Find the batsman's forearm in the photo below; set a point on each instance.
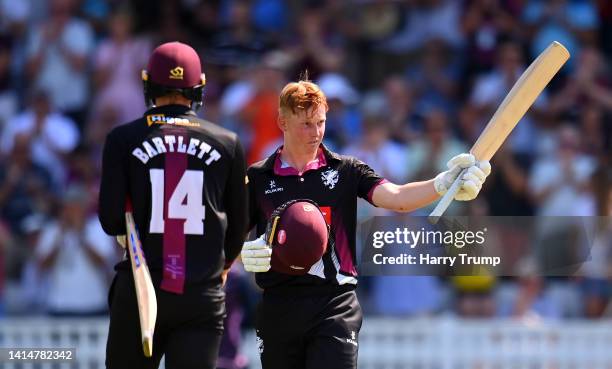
(405, 198)
(416, 195)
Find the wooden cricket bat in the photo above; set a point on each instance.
(509, 113)
(145, 293)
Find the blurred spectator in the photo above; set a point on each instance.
(343, 123)
(8, 96)
(261, 112)
(559, 184)
(52, 135)
(507, 191)
(605, 31)
(170, 25)
(474, 296)
(237, 42)
(270, 16)
(592, 129)
(484, 23)
(434, 78)
(429, 154)
(532, 302)
(314, 50)
(491, 88)
(84, 170)
(97, 128)
(205, 22)
(96, 13)
(14, 16)
(364, 25)
(589, 84)
(407, 295)
(596, 286)
(32, 285)
(25, 187)
(119, 60)
(230, 356)
(538, 297)
(375, 148)
(403, 120)
(75, 252)
(428, 20)
(571, 22)
(5, 246)
(57, 52)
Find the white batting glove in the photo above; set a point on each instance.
(472, 180)
(256, 255)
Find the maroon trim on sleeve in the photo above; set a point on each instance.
(371, 192)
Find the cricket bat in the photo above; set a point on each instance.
(145, 293)
(509, 113)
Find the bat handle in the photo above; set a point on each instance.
(446, 200)
(147, 344)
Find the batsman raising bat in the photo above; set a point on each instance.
(185, 178)
(322, 295)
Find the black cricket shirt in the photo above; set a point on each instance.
(186, 180)
(334, 182)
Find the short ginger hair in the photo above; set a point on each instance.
(301, 96)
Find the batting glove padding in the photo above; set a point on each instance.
(471, 181)
(256, 255)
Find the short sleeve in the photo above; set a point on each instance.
(367, 179)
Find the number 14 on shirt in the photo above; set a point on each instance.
(184, 201)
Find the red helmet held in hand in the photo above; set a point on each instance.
(298, 235)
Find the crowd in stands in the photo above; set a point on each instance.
(410, 83)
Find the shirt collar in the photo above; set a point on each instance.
(274, 163)
(171, 110)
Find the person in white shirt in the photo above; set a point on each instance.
(52, 135)
(57, 54)
(75, 252)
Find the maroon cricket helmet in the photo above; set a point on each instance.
(174, 66)
(298, 235)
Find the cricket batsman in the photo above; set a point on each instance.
(186, 180)
(312, 320)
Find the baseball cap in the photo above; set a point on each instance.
(175, 65)
(300, 238)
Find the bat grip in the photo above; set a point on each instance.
(446, 200)
(147, 343)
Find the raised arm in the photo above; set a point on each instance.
(411, 196)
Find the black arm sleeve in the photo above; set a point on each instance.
(236, 206)
(367, 179)
(113, 187)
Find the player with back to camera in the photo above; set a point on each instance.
(313, 320)
(185, 178)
